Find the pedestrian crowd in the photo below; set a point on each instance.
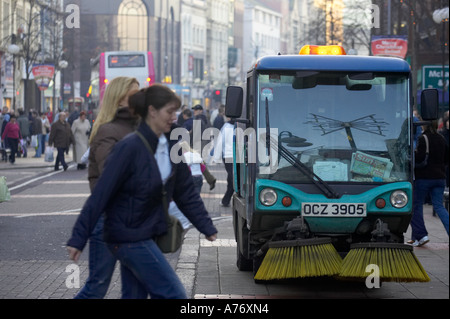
(43, 132)
(21, 131)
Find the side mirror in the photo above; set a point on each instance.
(429, 104)
(234, 102)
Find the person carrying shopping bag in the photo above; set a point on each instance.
(61, 137)
(130, 192)
(12, 135)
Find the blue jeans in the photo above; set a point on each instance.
(145, 271)
(101, 266)
(60, 158)
(230, 190)
(42, 140)
(435, 187)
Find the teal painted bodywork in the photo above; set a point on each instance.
(338, 225)
(255, 224)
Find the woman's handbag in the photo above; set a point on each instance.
(171, 241)
(424, 163)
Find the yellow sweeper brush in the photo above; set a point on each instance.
(396, 262)
(299, 258)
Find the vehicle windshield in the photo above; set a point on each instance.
(343, 127)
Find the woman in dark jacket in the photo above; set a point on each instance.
(129, 191)
(429, 179)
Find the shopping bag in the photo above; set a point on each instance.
(4, 191)
(23, 147)
(34, 141)
(49, 154)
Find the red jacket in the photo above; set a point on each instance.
(12, 131)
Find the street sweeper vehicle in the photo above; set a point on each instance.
(323, 173)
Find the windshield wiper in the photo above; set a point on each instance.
(267, 128)
(323, 186)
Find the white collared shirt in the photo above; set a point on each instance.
(162, 157)
(224, 144)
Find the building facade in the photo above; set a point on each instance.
(199, 46)
(30, 33)
(121, 25)
(262, 35)
(194, 48)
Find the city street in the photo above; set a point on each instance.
(334, 113)
(36, 223)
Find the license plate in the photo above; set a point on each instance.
(334, 210)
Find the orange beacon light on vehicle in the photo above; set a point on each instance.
(322, 50)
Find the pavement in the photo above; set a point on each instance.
(208, 270)
(214, 274)
(32, 162)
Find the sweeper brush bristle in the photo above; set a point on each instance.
(299, 259)
(396, 262)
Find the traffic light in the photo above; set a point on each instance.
(217, 96)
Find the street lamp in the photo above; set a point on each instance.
(440, 17)
(14, 49)
(63, 64)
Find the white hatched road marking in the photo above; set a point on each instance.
(43, 196)
(50, 196)
(65, 182)
(72, 212)
(37, 179)
(222, 243)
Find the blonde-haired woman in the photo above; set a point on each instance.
(116, 96)
(114, 122)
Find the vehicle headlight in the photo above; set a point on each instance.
(268, 197)
(399, 199)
